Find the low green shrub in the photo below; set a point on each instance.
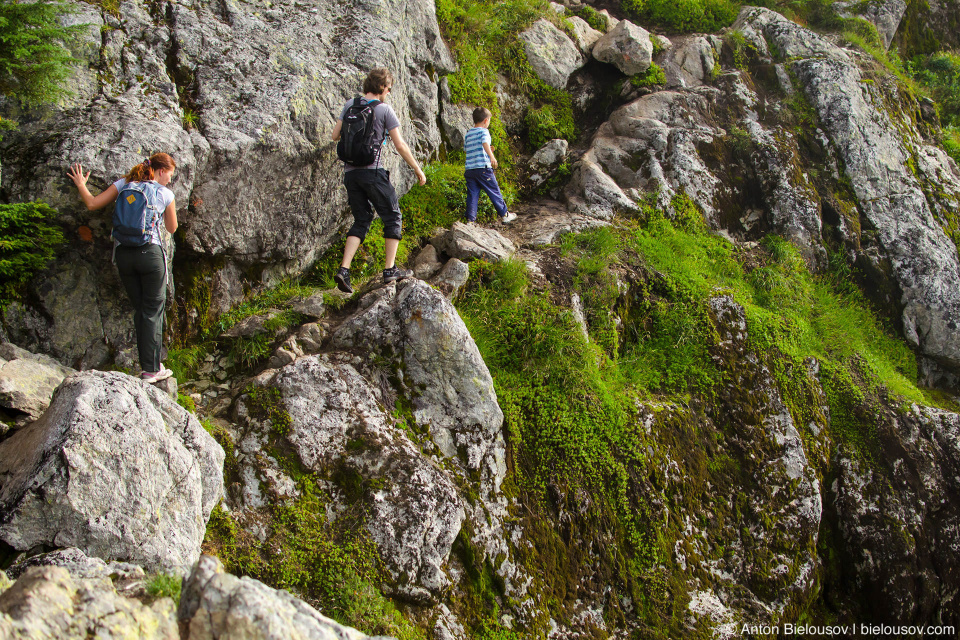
(951, 142)
(548, 122)
(653, 76)
(276, 297)
(184, 361)
(939, 73)
(740, 48)
(592, 17)
(684, 16)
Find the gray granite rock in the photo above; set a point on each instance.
(472, 242)
(115, 468)
(924, 262)
(245, 99)
(551, 154)
(627, 46)
(27, 381)
(338, 423)
(215, 604)
(691, 61)
(551, 53)
(451, 278)
(426, 263)
(47, 603)
(584, 35)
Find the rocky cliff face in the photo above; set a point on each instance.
(245, 98)
(806, 142)
(378, 429)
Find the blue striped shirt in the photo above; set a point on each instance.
(477, 158)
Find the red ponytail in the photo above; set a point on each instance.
(145, 170)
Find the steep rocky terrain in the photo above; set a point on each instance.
(627, 415)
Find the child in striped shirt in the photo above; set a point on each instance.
(479, 168)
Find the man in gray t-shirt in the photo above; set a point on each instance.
(370, 185)
(384, 120)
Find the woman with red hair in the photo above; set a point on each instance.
(142, 268)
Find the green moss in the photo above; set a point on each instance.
(164, 586)
(192, 316)
(267, 403)
(184, 361)
(186, 402)
(740, 49)
(547, 122)
(333, 566)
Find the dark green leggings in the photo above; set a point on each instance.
(143, 271)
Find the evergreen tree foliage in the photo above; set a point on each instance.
(34, 64)
(27, 243)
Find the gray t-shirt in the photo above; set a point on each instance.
(384, 121)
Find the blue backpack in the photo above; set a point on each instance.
(137, 212)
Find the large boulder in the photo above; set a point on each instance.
(626, 46)
(115, 468)
(551, 54)
(48, 603)
(402, 403)
(27, 381)
(215, 604)
(471, 242)
(339, 425)
(415, 329)
(232, 92)
(454, 390)
(650, 144)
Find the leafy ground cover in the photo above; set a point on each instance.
(569, 399)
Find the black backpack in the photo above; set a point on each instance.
(357, 146)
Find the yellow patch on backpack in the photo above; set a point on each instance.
(131, 198)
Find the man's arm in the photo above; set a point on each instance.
(405, 153)
(336, 130)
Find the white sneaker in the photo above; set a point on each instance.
(508, 218)
(156, 376)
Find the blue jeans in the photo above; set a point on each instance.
(483, 179)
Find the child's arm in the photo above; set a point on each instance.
(489, 150)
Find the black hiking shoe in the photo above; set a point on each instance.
(393, 273)
(343, 280)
